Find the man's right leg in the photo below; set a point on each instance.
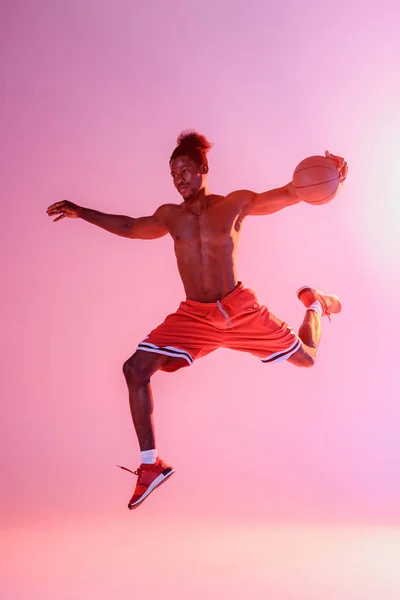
(153, 471)
(138, 370)
(162, 349)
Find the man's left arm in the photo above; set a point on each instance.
(274, 200)
(271, 201)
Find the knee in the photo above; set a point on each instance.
(304, 357)
(135, 373)
(309, 361)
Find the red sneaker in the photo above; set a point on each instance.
(330, 304)
(149, 478)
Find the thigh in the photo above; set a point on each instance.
(264, 335)
(182, 338)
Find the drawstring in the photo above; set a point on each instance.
(224, 313)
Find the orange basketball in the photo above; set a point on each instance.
(316, 180)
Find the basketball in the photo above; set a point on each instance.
(316, 180)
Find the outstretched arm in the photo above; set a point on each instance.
(145, 228)
(271, 201)
(274, 200)
(149, 228)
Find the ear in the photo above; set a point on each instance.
(204, 169)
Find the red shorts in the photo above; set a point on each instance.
(237, 322)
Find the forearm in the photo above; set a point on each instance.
(118, 224)
(274, 200)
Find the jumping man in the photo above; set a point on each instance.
(218, 311)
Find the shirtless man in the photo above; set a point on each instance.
(218, 311)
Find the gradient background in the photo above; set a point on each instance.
(287, 482)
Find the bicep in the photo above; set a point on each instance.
(149, 228)
(269, 202)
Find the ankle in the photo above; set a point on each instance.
(149, 457)
(317, 307)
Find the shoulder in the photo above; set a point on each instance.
(240, 198)
(165, 211)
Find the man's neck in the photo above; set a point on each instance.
(199, 201)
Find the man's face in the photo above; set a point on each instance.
(188, 177)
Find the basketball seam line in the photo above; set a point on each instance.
(315, 167)
(299, 187)
(321, 200)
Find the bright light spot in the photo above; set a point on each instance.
(380, 200)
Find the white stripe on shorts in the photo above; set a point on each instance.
(283, 354)
(166, 350)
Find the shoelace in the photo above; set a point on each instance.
(325, 313)
(138, 471)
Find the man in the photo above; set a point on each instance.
(218, 311)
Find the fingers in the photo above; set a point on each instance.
(56, 209)
(338, 160)
(59, 218)
(334, 157)
(340, 163)
(57, 205)
(343, 172)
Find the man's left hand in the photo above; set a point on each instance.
(341, 165)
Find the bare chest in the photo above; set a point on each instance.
(214, 226)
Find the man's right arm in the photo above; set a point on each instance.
(145, 228)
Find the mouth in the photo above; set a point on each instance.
(182, 188)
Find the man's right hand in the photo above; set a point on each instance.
(63, 209)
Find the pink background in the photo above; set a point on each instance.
(95, 95)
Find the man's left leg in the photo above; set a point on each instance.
(318, 305)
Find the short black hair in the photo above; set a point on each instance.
(194, 145)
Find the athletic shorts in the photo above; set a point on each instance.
(237, 322)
